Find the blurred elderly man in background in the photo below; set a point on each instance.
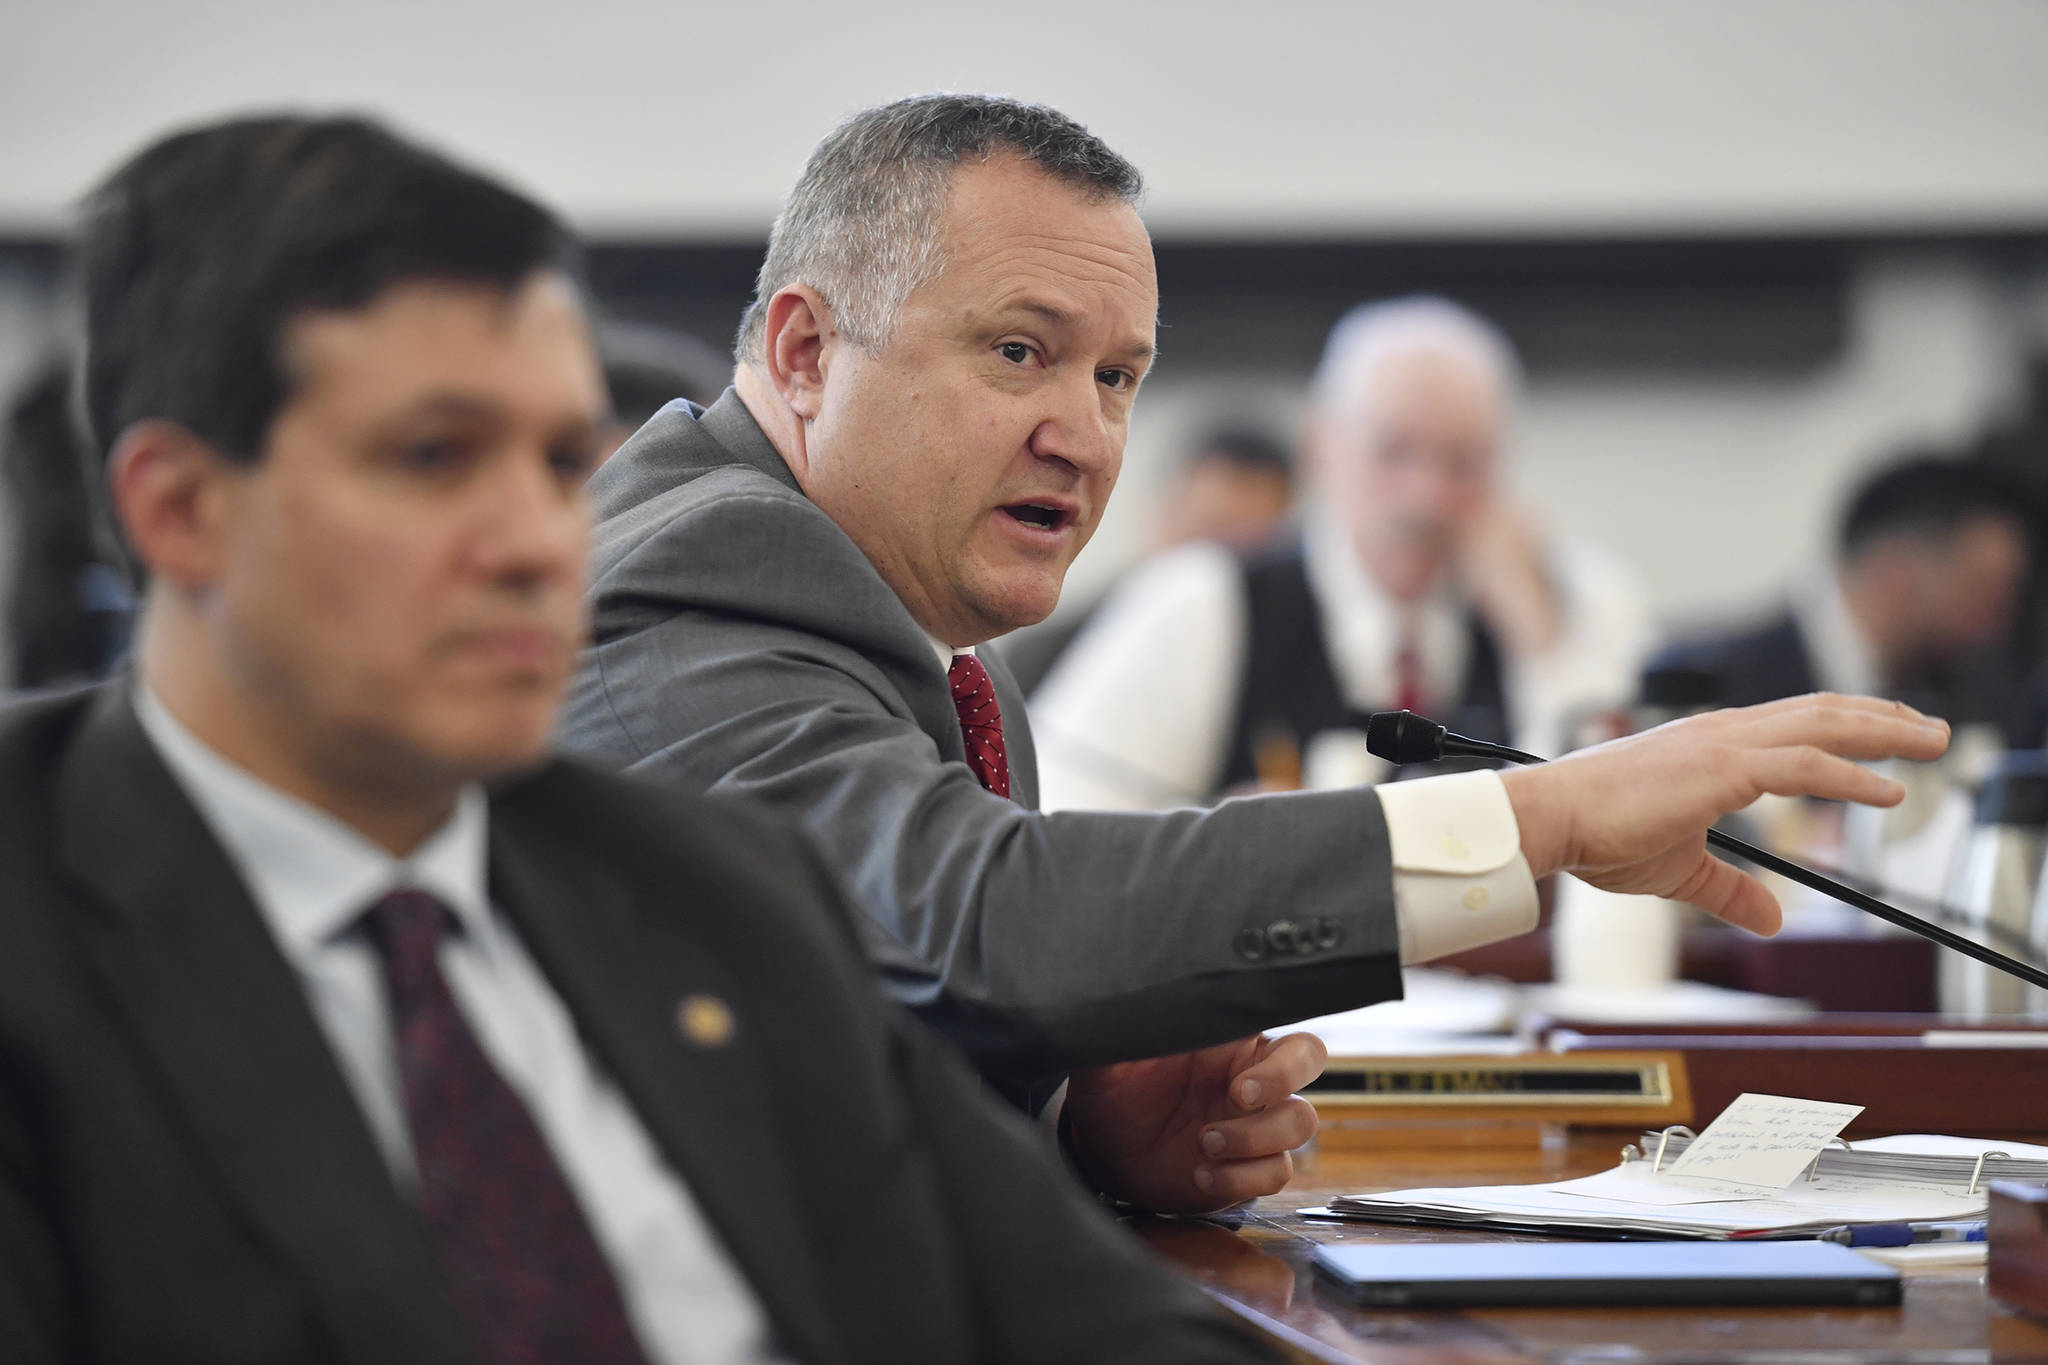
(1415, 585)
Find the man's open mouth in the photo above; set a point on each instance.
(1038, 514)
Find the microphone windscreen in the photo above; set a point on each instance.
(1402, 737)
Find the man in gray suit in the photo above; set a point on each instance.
(928, 415)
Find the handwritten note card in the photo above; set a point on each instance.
(1760, 1144)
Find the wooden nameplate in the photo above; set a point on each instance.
(1491, 1100)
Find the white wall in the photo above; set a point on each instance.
(1291, 115)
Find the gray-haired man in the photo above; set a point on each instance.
(928, 416)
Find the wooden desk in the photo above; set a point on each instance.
(1262, 1271)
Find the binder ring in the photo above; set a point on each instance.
(1977, 1171)
(1664, 1138)
(1813, 1171)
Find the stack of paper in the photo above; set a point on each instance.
(1631, 1200)
(1751, 1174)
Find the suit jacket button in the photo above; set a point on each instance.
(1329, 933)
(705, 1020)
(1250, 945)
(1284, 935)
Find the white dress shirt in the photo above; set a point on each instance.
(312, 877)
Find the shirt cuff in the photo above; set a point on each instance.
(1459, 876)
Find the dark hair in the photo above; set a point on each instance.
(1250, 450)
(193, 258)
(864, 224)
(1931, 496)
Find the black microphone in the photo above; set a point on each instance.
(1402, 737)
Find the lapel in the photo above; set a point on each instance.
(866, 612)
(211, 1003)
(624, 974)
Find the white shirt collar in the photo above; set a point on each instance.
(1842, 658)
(946, 652)
(1365, 629)
(310, 874)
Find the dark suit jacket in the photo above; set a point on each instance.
(1772, 659)
(744, 645)
(185, 1175)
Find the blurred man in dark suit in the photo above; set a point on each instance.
(1918, 600)
(337, 1022)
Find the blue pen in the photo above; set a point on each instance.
(1903, 1234)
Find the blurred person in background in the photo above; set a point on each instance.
(1415, 584)
(1235, 487)
(68, 605)
(1918, 600)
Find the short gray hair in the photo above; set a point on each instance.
(1420, 321)
(865, 224)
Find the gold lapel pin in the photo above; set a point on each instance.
(705, 1020)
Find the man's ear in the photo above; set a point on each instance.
(796, 346)
(170, 490)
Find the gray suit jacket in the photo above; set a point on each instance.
(744, 646)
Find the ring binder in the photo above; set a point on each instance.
(1813, 1171)
(1977, 1171)
(1663, 1139)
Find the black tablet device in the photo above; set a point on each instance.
(1579, 1274)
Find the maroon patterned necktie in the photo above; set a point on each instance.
(981, 722)
(523, 1268)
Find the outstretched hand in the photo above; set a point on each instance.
(1195, 1131)
(1632, 815)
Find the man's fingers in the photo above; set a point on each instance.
(1269, 1132)
(1730, 894)
(1806, 770)
(1289, 1064)
(1856, 727)
(1826, 701)
(1236, 1181)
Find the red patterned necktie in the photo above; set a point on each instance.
(981, 722)
(523, 1268)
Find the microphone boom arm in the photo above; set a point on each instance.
(1404, 737)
